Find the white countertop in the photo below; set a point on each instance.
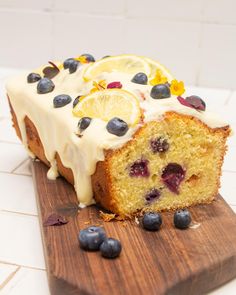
(22, 265)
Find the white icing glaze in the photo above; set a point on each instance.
(57, 127)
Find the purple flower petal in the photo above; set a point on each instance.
(115, 84)
(55, 219)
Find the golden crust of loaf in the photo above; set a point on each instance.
(104, 181)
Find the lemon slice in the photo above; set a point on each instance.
(110, 103)
(130, 64)
(155, 65)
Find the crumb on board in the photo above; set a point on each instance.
(136, 220)
(107, 216)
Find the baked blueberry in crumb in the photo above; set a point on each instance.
(61, 100)
(153, 195)
(139, 168)
(117, 126)
(33, 77)
(159, 145)
(140, 78)
(172, 175)
(152, 221)
(76, 101)
(89, 57)
(182, 219)
(160, 91)
(110, 248)
(91, 238)
(84, 123)
(45, 85)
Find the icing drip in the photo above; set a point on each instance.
(57, 128)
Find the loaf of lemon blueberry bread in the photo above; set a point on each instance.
(120, 130)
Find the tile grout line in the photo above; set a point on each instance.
(18, 166)
(20, 265)
(228, 97)
(10, 142)
(228, 171)
(19, 174)
(9, 278)
(19, 213)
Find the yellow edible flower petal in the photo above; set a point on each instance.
(82, 59)
(97, 86)
(158, 79)
(177, 87)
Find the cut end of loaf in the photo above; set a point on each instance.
(170, 164)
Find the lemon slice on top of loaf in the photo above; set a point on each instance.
(130, 64)
(108, 104)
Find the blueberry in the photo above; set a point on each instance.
(160, 91)
(172, 175)
(73, 65)
(89, 57)
(45, 85)
(182, 219)
(76, 101)
(84, 123)
(110, 248)
(117, 127)
(67, 62)
(61, 100)
(91, 238)
(33, 77)
(159, 145)
(152, 221)
(139, 168)
(153, 195)
(140, 78)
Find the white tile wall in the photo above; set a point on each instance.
(26, 38)
(24, 169)
(101, 7)
(18, 155)
(182, 10)
(23, 201)
(196, 39)
(99, 35)
(219, 11)
(6, 271)
(166, 42)
(27, 282)
(217, 56)
(26, 4)
(17, 245)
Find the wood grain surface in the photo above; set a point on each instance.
(170, 261)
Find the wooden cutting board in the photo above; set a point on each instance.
(170, 261)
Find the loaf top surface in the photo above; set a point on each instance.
(82, 107)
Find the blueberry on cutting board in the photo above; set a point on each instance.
(91, 238)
